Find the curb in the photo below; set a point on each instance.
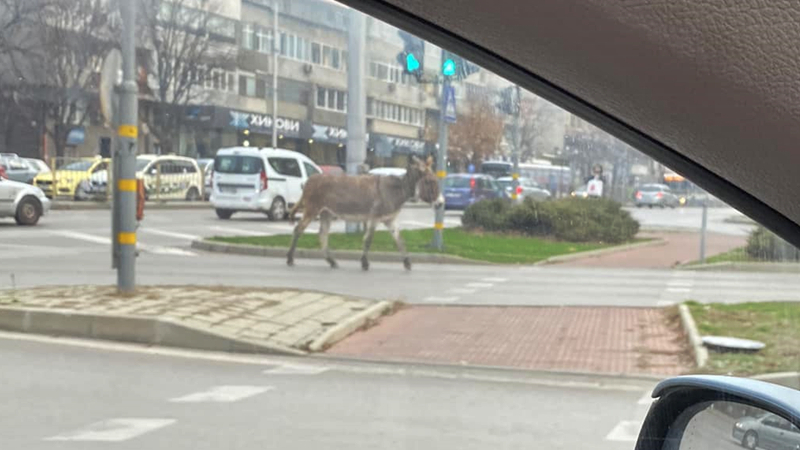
(601, 252)
(700, 352)
(346, 328)
(134, 329)
(93, 206)
(345, 255)
(728, 266)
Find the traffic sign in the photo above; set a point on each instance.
(449, 102)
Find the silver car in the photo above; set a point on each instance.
(18, 169)
(651, 195)
(768, 432)
(25, 203)
(527, 188)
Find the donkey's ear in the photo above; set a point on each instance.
(429, 161)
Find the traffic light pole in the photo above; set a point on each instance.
(517, 142)
(356, 101)
(125, 157)
(441, 164)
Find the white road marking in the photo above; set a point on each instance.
(232, 230)
(679, 290)
(461, 291)
(190, 237)
(480, 285)
(166, 251)
(222, 394)
(625, 431)
(662, 303)
(296, 369)
(434, 299)
(113, 430)
(494, 280)
(82, 236)
(679, 282)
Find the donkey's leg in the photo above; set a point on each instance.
(367, 243)
(324, 228)
(308, 216)
(401, 246)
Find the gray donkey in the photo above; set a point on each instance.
(363, 198)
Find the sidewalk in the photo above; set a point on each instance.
(632, 341)
(209, 318)
(680, 248)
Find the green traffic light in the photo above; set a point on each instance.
(449, 68)
(411, 63)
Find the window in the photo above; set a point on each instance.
(263, 40)
(285, 166)
(217, 79)
(310, 170)
(248, 36)
(316, 53)
(295, 47)
(393, 112)
(392, 73)
(248, 165)
(331, 99)
(247, 85)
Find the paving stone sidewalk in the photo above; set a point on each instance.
(610, 340)
(281, 317)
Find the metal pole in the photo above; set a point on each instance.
(276, 48)
(703, 232)
(515, 152)
(441, 163)
(127, 133)
(356, 101)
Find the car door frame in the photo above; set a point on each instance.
(293, 185)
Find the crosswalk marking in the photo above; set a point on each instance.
(461, 291)
(296, 369)
(494, 280)
(82, 236)
(624, 431)
(480, 285)
(222, 394)
(434, 299)
(114, 430)
(678, 289)
(190, 237)
(157, 250)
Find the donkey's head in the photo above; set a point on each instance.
(420, 172)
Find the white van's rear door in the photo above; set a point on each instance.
(236, 176)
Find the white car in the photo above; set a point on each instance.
(266, 180)
(394, 171)
(170, 177)
(25, 203)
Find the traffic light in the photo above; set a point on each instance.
(457, 67)
(412, 58)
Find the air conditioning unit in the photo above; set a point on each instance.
(308, 68)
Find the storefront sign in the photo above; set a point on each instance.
(262, 123)
(327, 133)
(385, 145)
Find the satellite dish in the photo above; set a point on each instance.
(110, 78)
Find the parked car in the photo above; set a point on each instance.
(169, 177)
(526, 188)
(767, 432)
(267, 180)
(207, 166)
(332, 170)
(70, 178)
(39, 165)
(462, 190)
(3, 173)
(580, 192)
(655, 195)
(18, 169)
(25, 203)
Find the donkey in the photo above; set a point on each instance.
(363, 198)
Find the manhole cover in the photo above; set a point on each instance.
(731, 344)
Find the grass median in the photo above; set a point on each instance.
(495, 248)
(773, 323)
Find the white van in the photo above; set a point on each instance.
(251, 179)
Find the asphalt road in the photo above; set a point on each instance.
(72, 247)
(93, 395)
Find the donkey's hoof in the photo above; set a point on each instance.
(290, 262)
(364, 264)
(407, 263)
(333, 263)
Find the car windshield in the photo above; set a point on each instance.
(259, 304)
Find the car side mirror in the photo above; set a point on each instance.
(715, 412)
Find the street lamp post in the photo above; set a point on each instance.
(275, 50)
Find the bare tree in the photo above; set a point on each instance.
(182, 54)
(55, 76)
(535, 119)
(477, 133)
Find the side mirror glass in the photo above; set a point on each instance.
(714, 412)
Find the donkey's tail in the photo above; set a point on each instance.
(294, 209)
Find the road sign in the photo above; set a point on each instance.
(449, 104)
(110, 78)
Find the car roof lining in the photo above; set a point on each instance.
(700, 175)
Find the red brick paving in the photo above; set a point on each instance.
(680, 248)
(586, 339)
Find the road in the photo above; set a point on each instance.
(69, 394)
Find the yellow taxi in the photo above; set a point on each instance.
(69, 178)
